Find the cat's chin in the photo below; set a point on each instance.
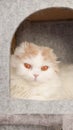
(35, 81)
(31, 80)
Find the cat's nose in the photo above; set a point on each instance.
(36, 75)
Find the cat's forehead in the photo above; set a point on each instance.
(37, 59)
(34, 50)
(35, 53)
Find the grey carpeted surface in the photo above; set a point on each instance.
(31, 122)
(29, 127)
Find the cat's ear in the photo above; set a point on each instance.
(26, 44)
(13, 61)
(30, 44)
(54, 56)
(20, 50)
(55, 60)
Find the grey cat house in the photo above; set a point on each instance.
(49, 22)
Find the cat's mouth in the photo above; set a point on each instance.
(35, 79)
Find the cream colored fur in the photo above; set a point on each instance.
(24, 90)
(50, 85)
(20, 90)
(66, 76)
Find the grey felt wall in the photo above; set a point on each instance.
(12, 13)
(29, 127)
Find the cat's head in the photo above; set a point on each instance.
(34, 63)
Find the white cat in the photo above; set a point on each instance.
(34, 73)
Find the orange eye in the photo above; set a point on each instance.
(28, 66)
(44, 68)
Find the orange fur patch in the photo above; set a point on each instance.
(30, 50)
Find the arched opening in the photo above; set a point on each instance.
(53, 28)
(46, 15)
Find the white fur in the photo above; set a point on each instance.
(36, 62)
(66, 76)
(23, 84)
(48, 85)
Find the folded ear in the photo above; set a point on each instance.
(55, 61)
(20, 50)
(14, 61)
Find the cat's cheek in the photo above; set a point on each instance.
(51, 72)
(41, 78)
(28, 75)
(46, 75)
(20, 70)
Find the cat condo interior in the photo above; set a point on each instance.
(50, 27)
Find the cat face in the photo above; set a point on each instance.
(34, 63)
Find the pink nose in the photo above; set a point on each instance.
(36, 75)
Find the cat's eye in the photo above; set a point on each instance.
(28, 66)
(44, 68)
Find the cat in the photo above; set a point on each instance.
(35, 73)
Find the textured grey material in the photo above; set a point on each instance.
(68, 122)
(36, 119)
(31, 122)
(29, 127)
(12, 13)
